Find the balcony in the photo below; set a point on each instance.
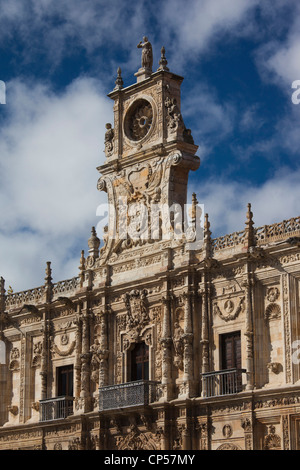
(222, 382)
(141, 392)
(56, 408)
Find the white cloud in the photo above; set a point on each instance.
(57, 29)
(50, 147)
(226, 201)
(195, 25)
(278, 58)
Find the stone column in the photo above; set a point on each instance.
(44, 357)
(166, 343)
(46, 329)
(188, 367)
(103, 351)
(85, 361)
(77, 365)
(249, 331)
(204, 341)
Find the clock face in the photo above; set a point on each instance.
(138, 120)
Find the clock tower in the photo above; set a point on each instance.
(149, 153)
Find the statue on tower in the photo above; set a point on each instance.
(147, 55)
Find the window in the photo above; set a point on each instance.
(65, 381)
(231, 359)
(140, 362)
(231, 351)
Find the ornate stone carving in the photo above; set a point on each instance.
(137, 309)
(272, 441)
(14, 364)
(36, 360)
(138, 120)
(274, 367)
(147, 54)
(272, 294)
(273, 312)
(229, 311)
(63, 353)
(136, 440)
(178, 343)
(227, 431)
(13, 409)
(108, 140)
(228, 446)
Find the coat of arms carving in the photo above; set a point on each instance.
(137, 308)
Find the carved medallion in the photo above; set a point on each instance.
(272, 294)
(229, 311)
(138, 120)
(227, 431)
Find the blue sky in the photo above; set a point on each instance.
(58, 60)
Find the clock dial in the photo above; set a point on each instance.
(139, 120)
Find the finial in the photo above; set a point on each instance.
(48, 283)
(163, 61)
(82, 268)
(194, 208)
(94, 244)
(119, 81)
(48, 272)
(206, 225)
(2, 294)
(2, 284)
(250, 239)
(207, 244)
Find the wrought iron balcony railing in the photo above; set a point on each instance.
(140, 392)
(222, 382)
(56, 408)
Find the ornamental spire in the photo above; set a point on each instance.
(119, 80)
(250, 233)
(94, 243)
(82, 268)
(163, 61)
(48, 282)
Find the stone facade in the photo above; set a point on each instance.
(70, 361)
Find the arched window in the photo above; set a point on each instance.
(140, 362)
(2, 352)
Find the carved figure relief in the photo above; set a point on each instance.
(37, 353)
(108, 140)
(178, 345)
(272, 294)
(98, 355)
(175, 121)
